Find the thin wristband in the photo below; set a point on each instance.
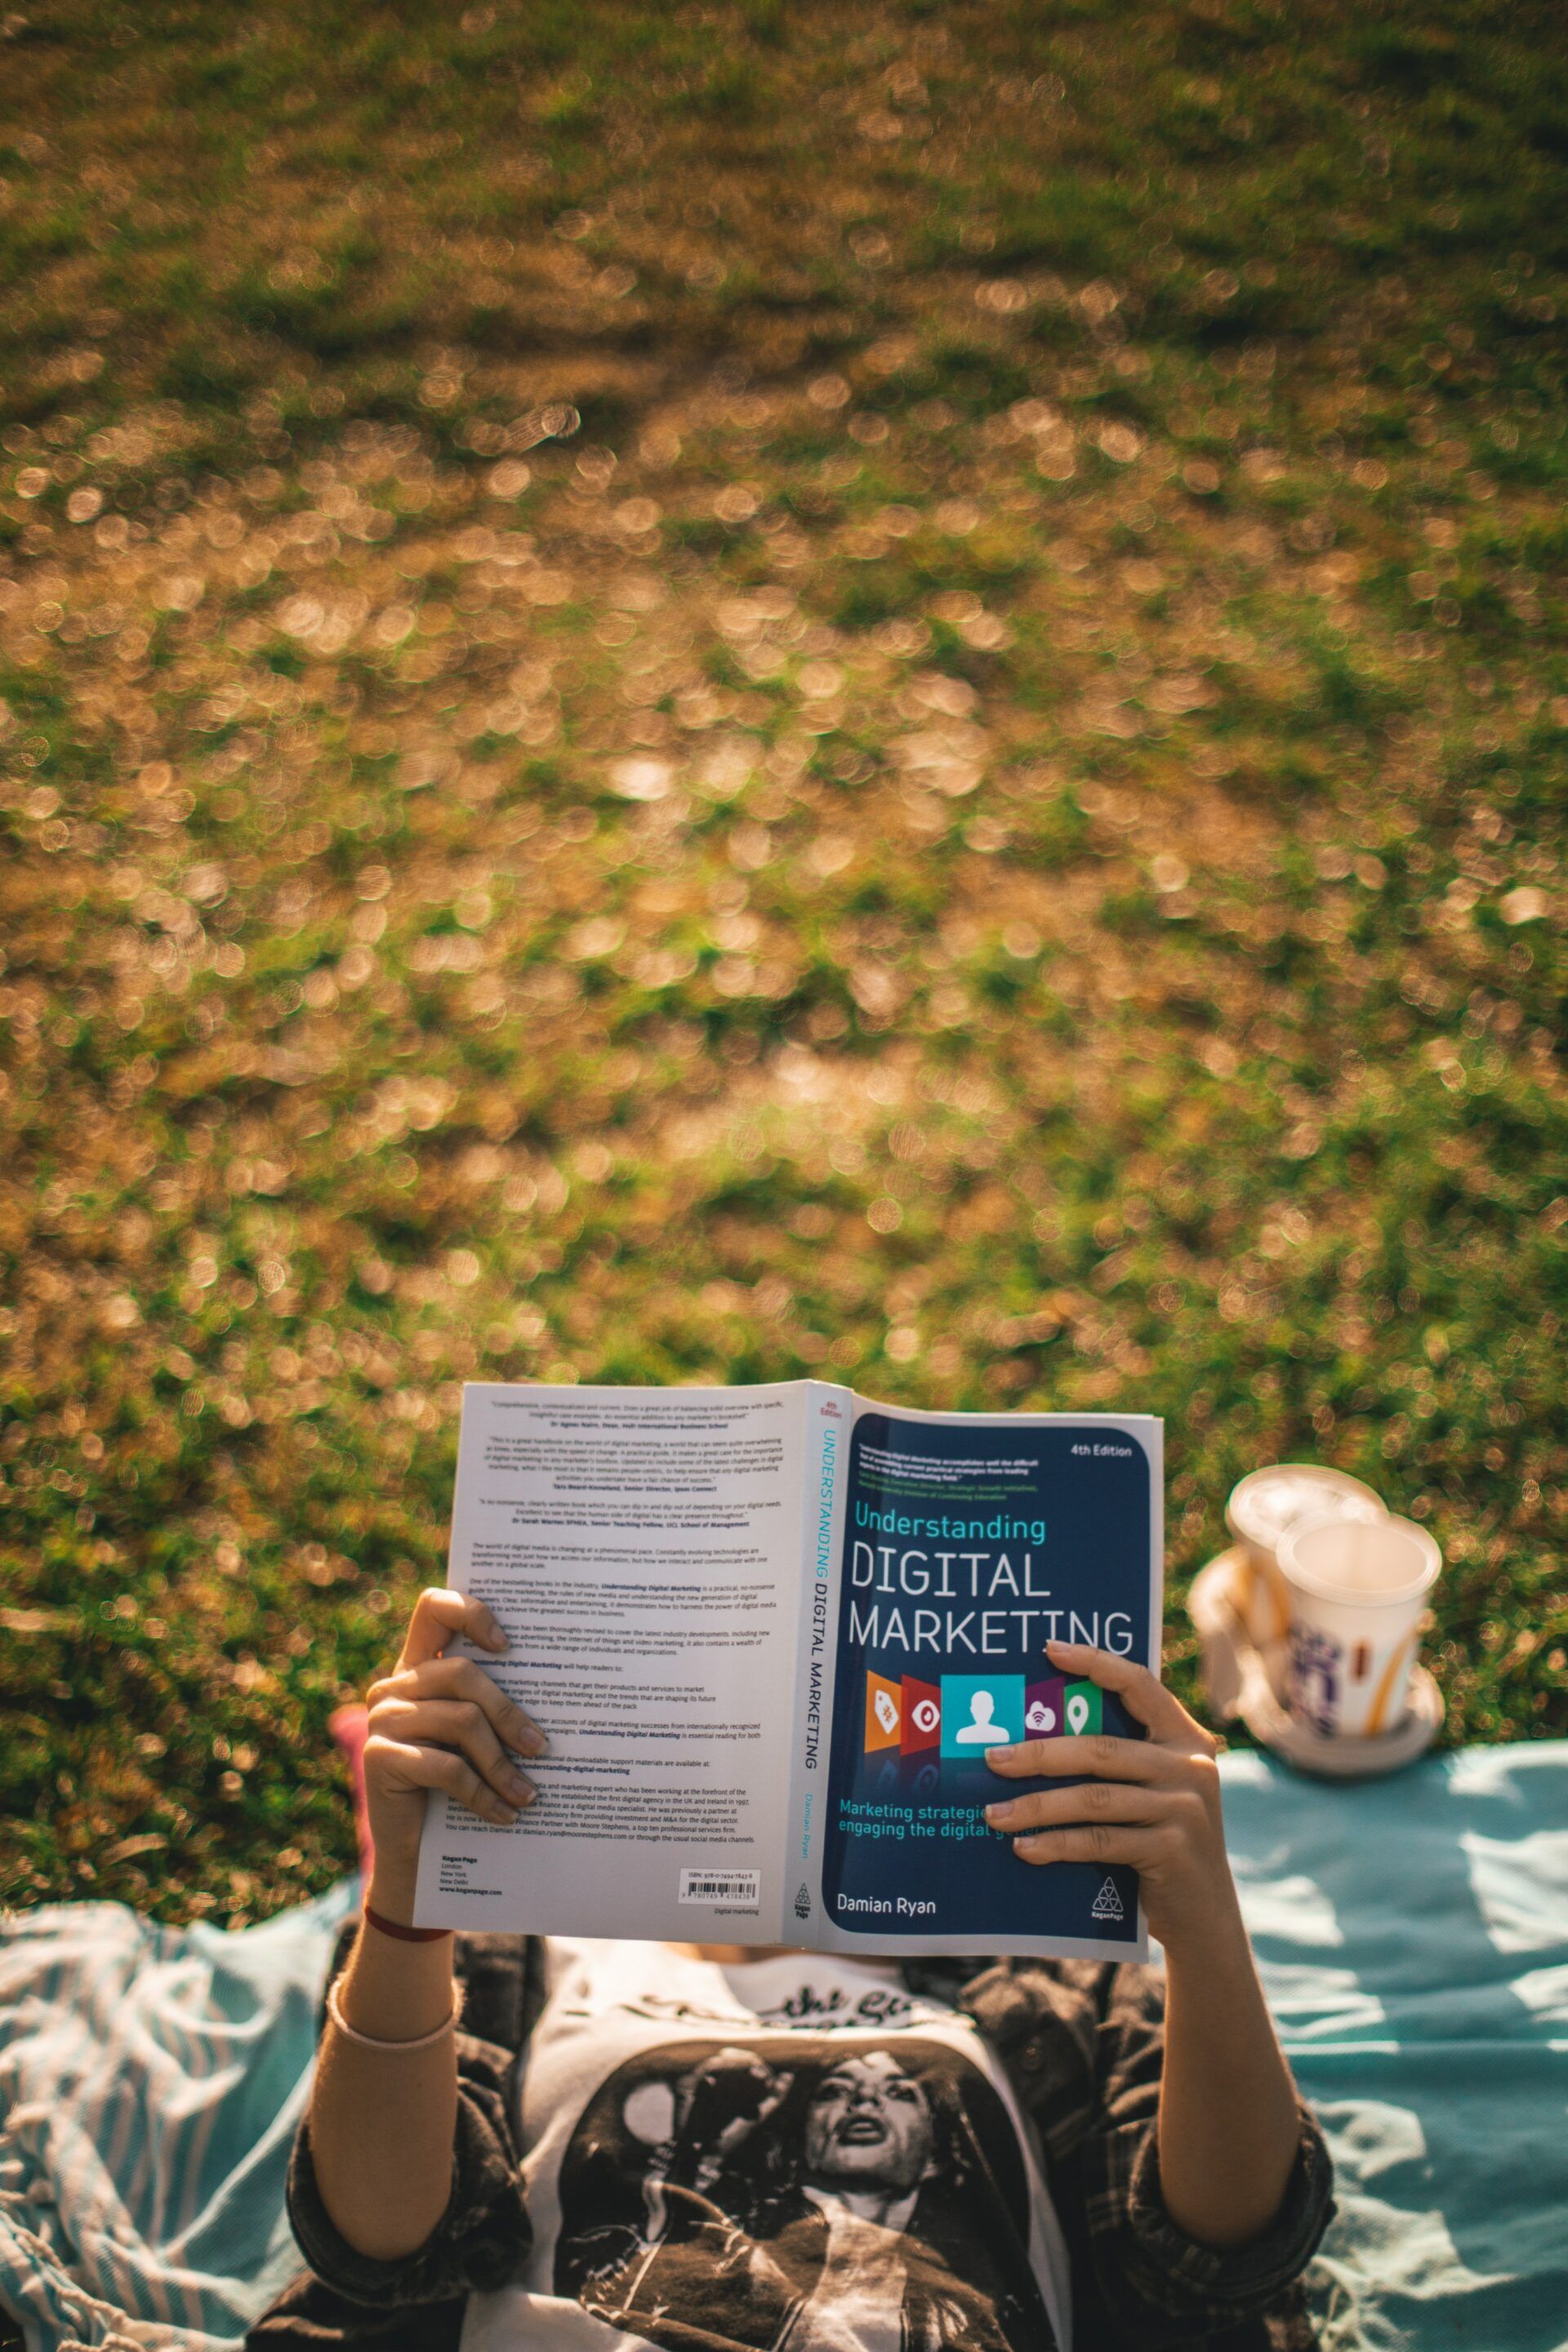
(374, 2041)
(404, 1935)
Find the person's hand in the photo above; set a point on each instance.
(1153, 1802)
(439, 1723)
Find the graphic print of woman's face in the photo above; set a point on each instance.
(869, 2125)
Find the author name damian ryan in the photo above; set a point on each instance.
(903, 1907)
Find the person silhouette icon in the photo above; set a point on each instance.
(979, 1712)
(983, 1731)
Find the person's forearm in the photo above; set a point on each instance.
(383, 2121)
(1229, 2125)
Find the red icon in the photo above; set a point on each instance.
(923, 1716)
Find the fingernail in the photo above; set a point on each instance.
(1024, 1846)
(520, 1785)
(1000, 1815)
(505, 1815)
(531, 1741)
(1003, 1754)
(497, 1642)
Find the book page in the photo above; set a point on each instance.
(966, 1542)
(641, 1548)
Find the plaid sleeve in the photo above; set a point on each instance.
(1163, 2287)
(482, 2239)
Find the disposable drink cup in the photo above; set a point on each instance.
(1259, 1510)
(1357, 1589)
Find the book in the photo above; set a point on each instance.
(770, 1633)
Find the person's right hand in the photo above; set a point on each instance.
(440, 1723)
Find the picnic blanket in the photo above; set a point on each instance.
(1413, 1935)
(151, 2079)
(1414, 1939)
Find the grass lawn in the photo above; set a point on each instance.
(709, 693)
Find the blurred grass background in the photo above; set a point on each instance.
(710, 693)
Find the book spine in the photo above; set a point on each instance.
(829, 1415)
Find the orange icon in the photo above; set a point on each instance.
(884, 1712)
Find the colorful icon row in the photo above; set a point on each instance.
(964, 1715)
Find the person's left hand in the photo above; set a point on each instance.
(1154, 1803)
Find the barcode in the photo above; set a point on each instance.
(739, 1887)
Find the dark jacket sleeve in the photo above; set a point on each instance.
(1162, 2286)
(480, 2240)
(483, 2238)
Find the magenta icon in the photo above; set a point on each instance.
(1045, 1708)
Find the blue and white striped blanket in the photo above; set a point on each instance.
(1413, 1937)
(151, 2079)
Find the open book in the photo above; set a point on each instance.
(770, 1634)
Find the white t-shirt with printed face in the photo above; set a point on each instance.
(791, 2155)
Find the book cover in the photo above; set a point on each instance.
(965, 1548)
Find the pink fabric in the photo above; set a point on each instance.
(350, 1727)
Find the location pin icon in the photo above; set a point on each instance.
(1077, 1711)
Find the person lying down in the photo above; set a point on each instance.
(518, 2143)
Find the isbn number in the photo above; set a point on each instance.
(738, 1887)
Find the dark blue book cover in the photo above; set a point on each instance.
(968, 1542)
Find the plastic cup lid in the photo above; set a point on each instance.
(1268, 1501)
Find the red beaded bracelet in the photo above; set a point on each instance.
(404, 1935)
